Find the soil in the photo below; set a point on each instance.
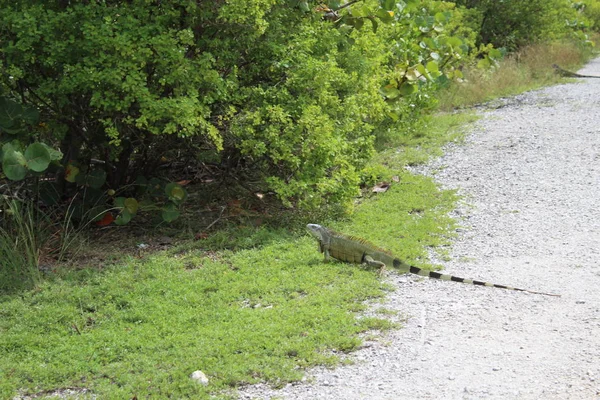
(529, 174)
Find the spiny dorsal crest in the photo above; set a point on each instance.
(359, 240)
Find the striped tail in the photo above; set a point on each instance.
(444, 277)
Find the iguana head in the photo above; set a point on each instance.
(317, 231)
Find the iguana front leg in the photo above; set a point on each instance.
(369, 261)
(325, 250)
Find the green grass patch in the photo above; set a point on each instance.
(264, 312)
(140, 327)
(144, 326)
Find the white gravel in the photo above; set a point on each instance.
(530, 177)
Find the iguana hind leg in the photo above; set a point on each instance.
(369, 261)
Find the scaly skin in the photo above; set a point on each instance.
(359, 251)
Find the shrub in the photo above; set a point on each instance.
(512, 24)
(289, 94)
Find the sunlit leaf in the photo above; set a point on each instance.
(131, 205)
(432, 66)
(14, 165)
(71, 173)
(175, 192)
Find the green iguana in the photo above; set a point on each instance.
(359, 251)
(569, 74)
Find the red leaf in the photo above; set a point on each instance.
(106, 220)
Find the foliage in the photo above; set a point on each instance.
(289, 94)
(512, 24)
(591, 10)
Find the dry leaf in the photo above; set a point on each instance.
(381, 187)
(201, 236)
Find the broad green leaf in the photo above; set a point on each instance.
(390, 91)
(38, 158)
(303, 5)
(443, 17)
(175, 192)
(453, 41)
(406, 89)
(14, 165)
(357, 23)
(421, 69)
(442, 79)
(96, 178)
(495, 54)
(170, 213)
(123, 218)
(484, 63)
(131, 205)
(54, 153)
(10, 113)
(385, 16)
(432, 66)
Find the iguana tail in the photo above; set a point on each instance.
(444, 277)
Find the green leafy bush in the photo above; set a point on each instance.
(289, 94)
(512, 23)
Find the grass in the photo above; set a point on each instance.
(20, 242)
(141, 327)
(265, 312)
(262, 313)
(529, 68)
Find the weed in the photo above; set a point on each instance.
(21, 238)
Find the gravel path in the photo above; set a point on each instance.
(530, 177)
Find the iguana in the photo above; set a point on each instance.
(359, 251)
(569, 74)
